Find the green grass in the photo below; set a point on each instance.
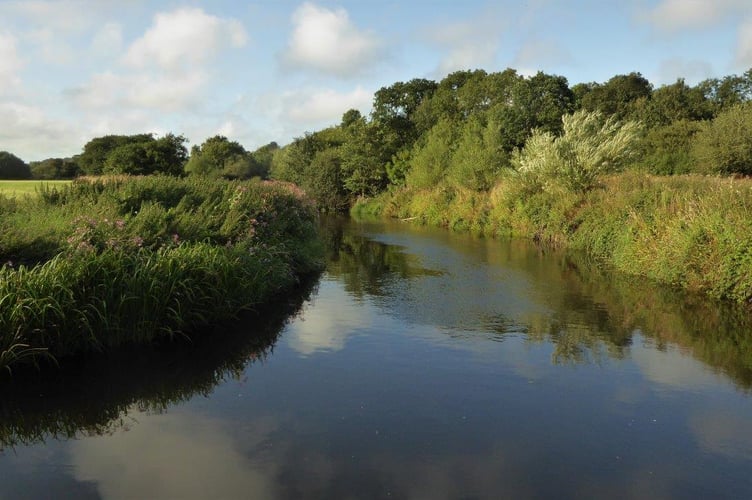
(15, 189)
(97, 264)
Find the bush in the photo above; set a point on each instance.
(724, 145)
(590, 146)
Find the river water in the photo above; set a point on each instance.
(421, 364)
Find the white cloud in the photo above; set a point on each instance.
(744, 45)
(161, 92)
(26, 130)
(182, 38)
(327, 326)
(186, 456)
(10, 63)
(673, 15)
(327, 41)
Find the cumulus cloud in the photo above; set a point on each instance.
(326, 40)
(184, 37)
(162, 92)
(26, 129)
(673, 15)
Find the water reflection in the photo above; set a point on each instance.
(424, 365)
(95, 395)
(586, 313)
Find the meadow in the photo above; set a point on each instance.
(13, 189)
(99, 263)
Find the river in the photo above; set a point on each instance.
(421, 364)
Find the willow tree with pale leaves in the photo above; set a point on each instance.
(589, 147)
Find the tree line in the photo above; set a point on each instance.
(468, 129)
(473, 127)
(145, 154)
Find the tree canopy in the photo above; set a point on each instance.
(13, 167)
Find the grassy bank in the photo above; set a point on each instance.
(689, 231)
(98, 264)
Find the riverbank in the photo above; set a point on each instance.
(99, 264)
(688, 231)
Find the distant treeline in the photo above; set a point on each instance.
(144, 154)
(466, 130)
(472, 127)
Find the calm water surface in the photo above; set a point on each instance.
(422, 364)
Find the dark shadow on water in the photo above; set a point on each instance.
(91, 394)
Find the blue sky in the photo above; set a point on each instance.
(258, 71)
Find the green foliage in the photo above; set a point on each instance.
(667, 150)
(363, 160)
(325, 184)
(54, 168)
(675, 102)
(132, 260)
(589, 147)
(724, 145)
(262, 159)
(432, 156)
(139, 154)
(95, 152)
(13, 167)
(215, 155)
(620, 96)
(479, 157)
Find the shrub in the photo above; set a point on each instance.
(724, 145)
(589, 147)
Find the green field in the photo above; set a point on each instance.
(14, 189)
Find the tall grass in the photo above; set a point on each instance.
(105, 263)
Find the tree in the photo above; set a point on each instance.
(724, 145)
(324, 182)
(364, 158)
(213, 156)
(394, 108)
(617, 97)
(728, 91)
(94, 156)
(13, 167)
(479, 156)
(667, 150)
(165, 155)
(591, 145)
(432, 156)
(54, 168)
(537, 102)
(675, 102)
(262, 158)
